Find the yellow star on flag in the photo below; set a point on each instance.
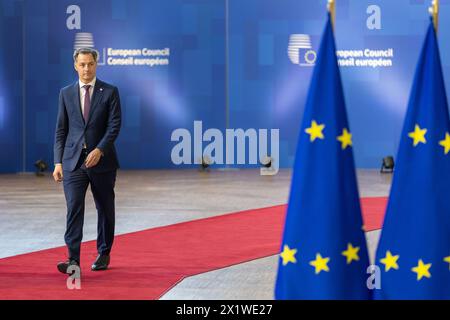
(418, 135)
(321, 264)
(345, 139)
(315, 131)
(288, 255)
(447, 259)
(422, 270)
(390, 261)
(351, 253)
(446, 143)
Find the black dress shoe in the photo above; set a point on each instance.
(101, 263)
(63, 266)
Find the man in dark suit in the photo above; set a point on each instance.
(88, 123)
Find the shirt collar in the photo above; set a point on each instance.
(92, 83)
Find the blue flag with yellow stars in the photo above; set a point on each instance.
(414, 249)
(323, 253)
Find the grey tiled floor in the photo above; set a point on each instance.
(32, 216)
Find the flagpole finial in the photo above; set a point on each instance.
(434, 12)
(331, 6)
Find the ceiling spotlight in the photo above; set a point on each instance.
(41, 166)
(387, 164)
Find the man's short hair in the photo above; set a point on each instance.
(85, 51)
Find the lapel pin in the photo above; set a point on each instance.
(101, 89)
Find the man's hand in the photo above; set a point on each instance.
(93, 158)
(58, 173)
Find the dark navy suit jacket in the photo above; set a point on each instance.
(100, 131)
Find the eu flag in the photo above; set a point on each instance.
(414, 249)
(323, 253)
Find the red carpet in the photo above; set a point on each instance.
(146, 264)
(373, 212)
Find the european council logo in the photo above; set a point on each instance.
(300, 50)
(83, 40)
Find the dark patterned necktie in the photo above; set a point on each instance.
(87, 103)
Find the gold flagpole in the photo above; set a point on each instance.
(332, 10)
(434, 12)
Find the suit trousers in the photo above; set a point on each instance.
(102, 186)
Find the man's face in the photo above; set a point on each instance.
(86, 67)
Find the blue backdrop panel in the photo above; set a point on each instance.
(268, 90)
(266, 86)
(11, 86)
(155, 100)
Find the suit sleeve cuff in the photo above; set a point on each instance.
(101, 151)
